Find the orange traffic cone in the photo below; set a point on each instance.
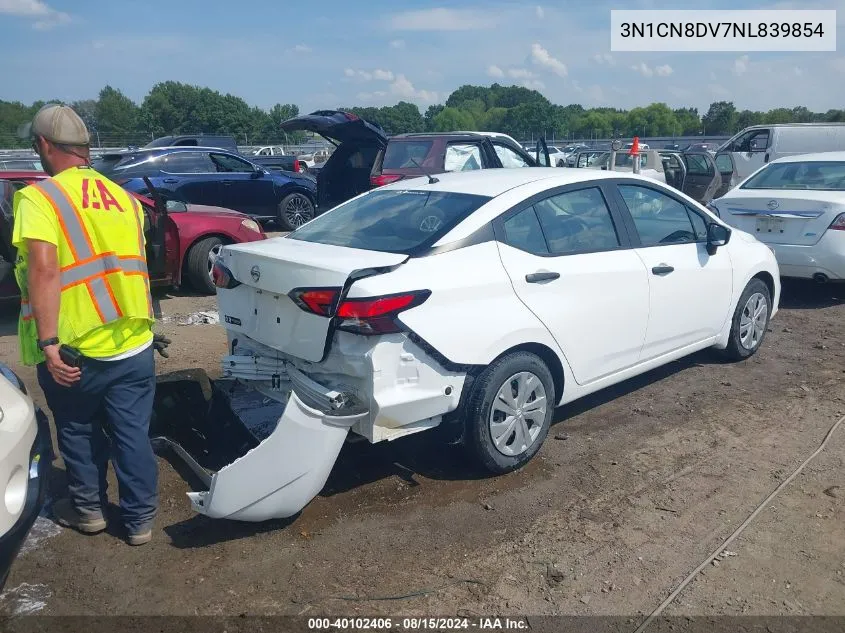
(635, 147)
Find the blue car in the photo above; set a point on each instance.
(215, 177)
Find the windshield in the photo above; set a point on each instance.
(817, 175)
(395, 221)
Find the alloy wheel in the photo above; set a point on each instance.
(753, 321)
(298, 211)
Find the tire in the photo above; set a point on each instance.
(295, 209)
(480, 413)
(199, 262)
(560, 163)
(746, 338)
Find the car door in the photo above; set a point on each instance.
(244, 186)
(510, 157)
(750, 151)
(727, 174)
(189, 177)
(467, 156)
(702, 179)
(690, 290)
(568, 257)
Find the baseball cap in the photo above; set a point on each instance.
(58, 124)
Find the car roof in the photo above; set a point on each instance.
(818, 156)
(171, 148)
(494, 182)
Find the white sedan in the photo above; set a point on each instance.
(476, 301)
(796, 205)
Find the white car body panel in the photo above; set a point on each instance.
(793, 222)
(605, 319)
(18, 429)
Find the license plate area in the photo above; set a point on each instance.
(770, 225)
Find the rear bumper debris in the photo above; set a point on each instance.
(259, 458)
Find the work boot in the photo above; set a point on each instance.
(142, 537)
(67, 515)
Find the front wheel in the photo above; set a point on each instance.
(750, 321)
(295, 209)
(200, 260)
(509, 411)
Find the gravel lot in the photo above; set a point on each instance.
(633, 489)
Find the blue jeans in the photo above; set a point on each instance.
(107, 414)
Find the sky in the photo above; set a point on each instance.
(328, 54)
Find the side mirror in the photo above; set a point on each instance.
(258, 172)
(176, 206)
(717, 235)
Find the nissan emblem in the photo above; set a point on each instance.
(773, 204)
(255, 271)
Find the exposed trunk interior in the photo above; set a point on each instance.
(346, 173)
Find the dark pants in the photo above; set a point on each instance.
(114, 398)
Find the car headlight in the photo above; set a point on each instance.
(251, 225)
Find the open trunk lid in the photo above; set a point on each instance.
(335, 125)
(264, 308)
(798, 217)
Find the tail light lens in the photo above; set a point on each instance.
(369, 315)
(384, 179)
(377, 315)
(316, 300)
(839, 223)
(223, 277)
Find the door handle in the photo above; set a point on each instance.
(662, 269)
(170, 181)
(227, 182)
(534, 278)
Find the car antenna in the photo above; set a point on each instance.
(431, 179)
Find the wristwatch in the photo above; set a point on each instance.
(48, 342)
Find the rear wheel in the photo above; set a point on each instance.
(200, 260)
(295, 209)
(509, 411)
(750, 321)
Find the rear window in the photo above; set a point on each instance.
(401, 155)
(395, 221)
(816, 175)
(107, 165)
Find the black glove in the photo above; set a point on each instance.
(160, 343)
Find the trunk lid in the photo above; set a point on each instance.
(262, 308)
(798, 217)
(343, 127)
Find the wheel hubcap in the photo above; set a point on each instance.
(518, 413)
(213, 254)
(752, 323)
(298, 211)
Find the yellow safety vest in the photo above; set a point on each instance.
(101, 256)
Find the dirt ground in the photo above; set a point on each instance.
(634, 487)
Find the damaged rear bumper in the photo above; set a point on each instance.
(259, 457)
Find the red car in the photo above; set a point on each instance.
(182, 240)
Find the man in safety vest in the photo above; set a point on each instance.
(86, 322)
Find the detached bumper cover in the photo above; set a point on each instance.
(259, 457)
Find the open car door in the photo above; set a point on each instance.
(702, 179)
(727, 171)
(541, 154)
(157, 226)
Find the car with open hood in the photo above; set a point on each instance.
(366, 157)
(473, 302)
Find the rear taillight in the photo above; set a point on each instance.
(316, 300)
(369, 315)
(839, 223)
(384, 179)
(377, 315)
(223, 277)
(297, 166)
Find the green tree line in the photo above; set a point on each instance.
(172, 107)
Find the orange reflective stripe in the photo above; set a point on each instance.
(78, 218)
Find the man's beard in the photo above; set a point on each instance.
(48, 168)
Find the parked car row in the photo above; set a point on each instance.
(183, 240)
